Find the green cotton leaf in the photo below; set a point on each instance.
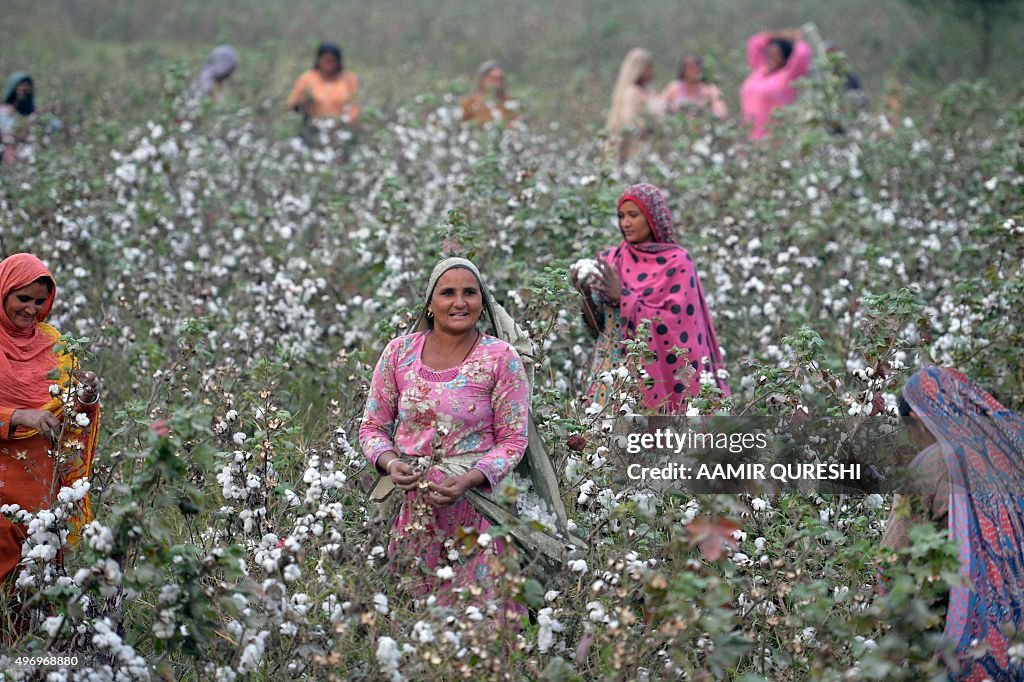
(560, 670)
(53, 374)
(143, 574)
(925, 538)
(533, 593)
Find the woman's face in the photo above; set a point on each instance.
(919, 434)
(328, 64)
(773, 58)
(633, 224)
(23, 305)
(494, 80)
(457, 302)
(692, 73)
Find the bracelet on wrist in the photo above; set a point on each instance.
(387, 468)
(95, 399)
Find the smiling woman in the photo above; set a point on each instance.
(33, 431)
(454, 399)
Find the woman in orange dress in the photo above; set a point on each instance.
(327, 90)
(49, 410)
(489, 101)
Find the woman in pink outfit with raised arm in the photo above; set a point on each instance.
(776, 60)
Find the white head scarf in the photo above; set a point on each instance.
(624, 97)
(219, 65)
(501, 323)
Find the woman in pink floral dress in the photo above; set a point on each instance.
(452, 392)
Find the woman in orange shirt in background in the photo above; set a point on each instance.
(489, 101)
(327, 90)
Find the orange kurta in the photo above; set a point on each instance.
(478, 108)
(29, 370)
(28, 479)
(329, 98)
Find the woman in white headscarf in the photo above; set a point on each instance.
(634, 104)
(447, 414)
(217, 68)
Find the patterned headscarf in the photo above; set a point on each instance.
(660, 284)
(659, 218)
(983, 446)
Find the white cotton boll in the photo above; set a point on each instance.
(423, 632)
(380, 603)
(82, 419)
(586, 270)
(551, 595)
(292, 573)
(757, 504)
(388, 657)
(445, 573)
(548, 625)
(54, 390)
(873, 501)
(483, 540)
(239, 438)
(52, 625)
(578, 566)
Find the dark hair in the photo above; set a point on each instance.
(45, 280)
(329, 48)
(903, 406)
(682, 66)
(785, 47)
(14, 90)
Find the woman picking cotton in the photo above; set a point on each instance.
(775, 60)
(35, 382)
(969, 480)
(489, 102)
(447, 413)
(327, 91)
(691, 92)
(650, 282)
(635, 106)
(212, 78)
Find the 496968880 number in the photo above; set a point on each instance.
(46, 662)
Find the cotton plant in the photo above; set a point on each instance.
(246, 284)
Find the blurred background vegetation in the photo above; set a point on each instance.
(108, 57)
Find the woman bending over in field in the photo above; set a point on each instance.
(40, 450)
(447, 413)
(969, 479)
(648, 278)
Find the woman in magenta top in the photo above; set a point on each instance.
(451, 387)
(649, 278)
(776, 60)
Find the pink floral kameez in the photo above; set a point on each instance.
(478, 407)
